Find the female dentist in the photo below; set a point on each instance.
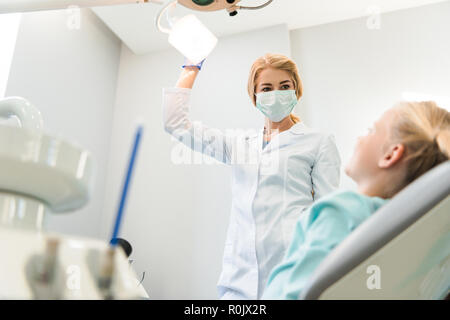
(292, 166)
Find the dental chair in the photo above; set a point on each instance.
(401, 252)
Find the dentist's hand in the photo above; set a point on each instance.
(188, 75)
(189, 64)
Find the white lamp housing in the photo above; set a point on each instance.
(191, 37)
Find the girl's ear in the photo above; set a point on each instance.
(392, 156)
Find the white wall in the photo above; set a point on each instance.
(176, 215)
(352, 74)
(9, 27)
(70, 75)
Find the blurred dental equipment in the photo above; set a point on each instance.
(126, 185)
(128, 249)
(42, 174)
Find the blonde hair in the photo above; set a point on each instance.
(276, 61)
(424, 130)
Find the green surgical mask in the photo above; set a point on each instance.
(276, 105)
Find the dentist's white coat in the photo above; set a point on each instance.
(270, 189)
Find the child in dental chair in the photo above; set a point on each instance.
(408, 140)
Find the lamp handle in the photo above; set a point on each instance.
(160, 14)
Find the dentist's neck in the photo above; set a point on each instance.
(283, 125)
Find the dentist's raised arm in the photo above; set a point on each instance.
(187, 77)
(176, 103)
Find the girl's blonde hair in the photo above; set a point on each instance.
(424, 130)
(276, 61)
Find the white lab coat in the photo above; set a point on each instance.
(269, 191)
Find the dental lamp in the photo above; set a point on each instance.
(214, 5)
(188, 35)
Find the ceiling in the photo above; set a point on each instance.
(134, 24)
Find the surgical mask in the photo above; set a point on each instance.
(276, 105)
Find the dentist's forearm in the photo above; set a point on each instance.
(187, 77)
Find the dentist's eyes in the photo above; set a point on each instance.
(283, 87)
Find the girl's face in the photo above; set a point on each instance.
(274, 79)
(370, 149)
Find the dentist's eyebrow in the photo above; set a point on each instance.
(285, 81)
(265, 84)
